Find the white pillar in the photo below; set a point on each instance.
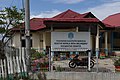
(106, 43)
(97, 38)
(51, 28)
(97, 42)
(76, 29)
(97, 46)
(106, 37)
(44, 40)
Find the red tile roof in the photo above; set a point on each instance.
(67, 16)
(35, 24)
(113, 20)
(71, 20)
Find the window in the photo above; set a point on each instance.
(116, 35)
(24, 43)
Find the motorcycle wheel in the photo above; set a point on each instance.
(72, 64)
(91, 64)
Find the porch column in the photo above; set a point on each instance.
(76, 29)
(44, 41)
(106, 43)
(97, 42)
(97, 47)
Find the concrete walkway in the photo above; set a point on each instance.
(82, 76)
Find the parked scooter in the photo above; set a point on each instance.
(82, 62)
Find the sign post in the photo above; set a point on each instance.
(89, 59)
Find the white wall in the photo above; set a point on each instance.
(16, 40)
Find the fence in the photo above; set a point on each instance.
(13, 63)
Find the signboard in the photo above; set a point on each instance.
(70, 41)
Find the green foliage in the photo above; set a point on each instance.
(117, 62)
(36, 55)
(59, 69)
(10, 17)
(2, 30)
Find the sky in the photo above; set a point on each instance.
(49, 8)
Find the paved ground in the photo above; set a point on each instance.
(82, 76)
(104, 65)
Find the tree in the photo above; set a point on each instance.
(10, 17)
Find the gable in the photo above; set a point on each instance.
(68, 14)
(88, 15)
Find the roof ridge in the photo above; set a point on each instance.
(61, 15)
(112, 15)
(65, 13)
(115, 14)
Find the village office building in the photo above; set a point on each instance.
(101, 36)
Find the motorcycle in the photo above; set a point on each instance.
(83, 62)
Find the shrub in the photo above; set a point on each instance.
(36, 55)
(117, 62)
